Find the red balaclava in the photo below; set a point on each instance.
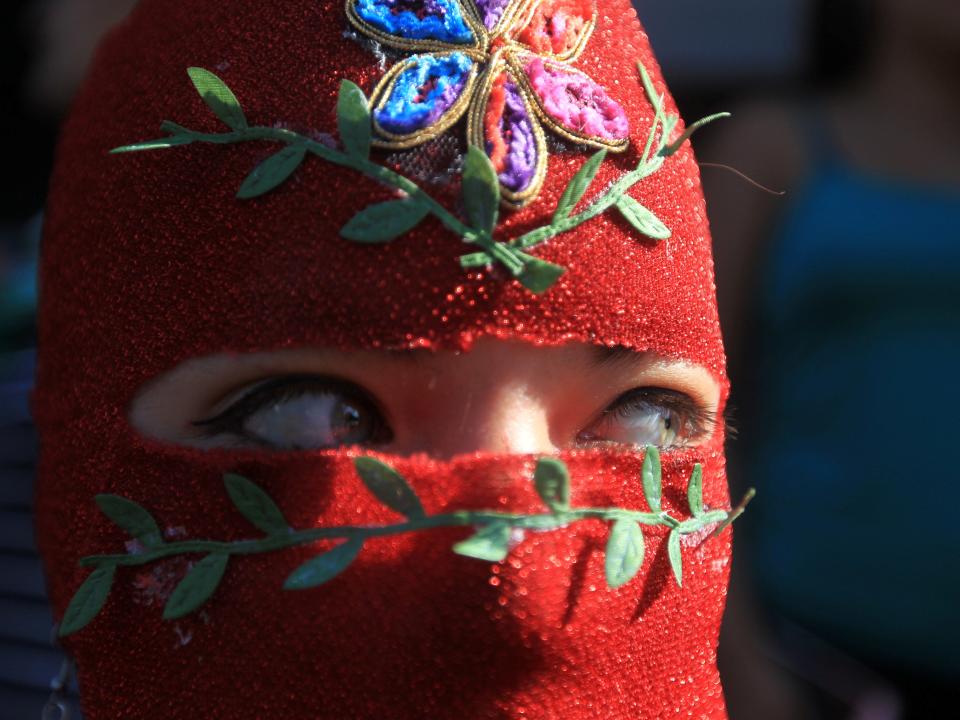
(151, 258)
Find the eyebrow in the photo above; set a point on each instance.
(603, 355)
(410, 355)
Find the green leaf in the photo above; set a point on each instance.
(256, 506)
(272, 171)
(132, 518)
(648, 84)
(695, 490)
(353, 120)
(476, 259)
(88, 600)
(384, 221)
(197, 587)
(642, 219)
(578, 186)
(658, 119)
(552, 481)
(320, 569)
(673, 551)
(481, 191)
(490, 543)
(650, 474)
(669, 125)
(673, 147)
(538, 275)
(166, 142)
(388, 486)
(624, 552)
(172, 128)
(218, 97)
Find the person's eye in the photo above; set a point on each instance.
(300, 412)
(649, 416)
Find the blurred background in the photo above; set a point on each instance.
(839, 301)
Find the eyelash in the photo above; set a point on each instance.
(696, 421)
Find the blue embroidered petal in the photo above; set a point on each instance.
(423, 92)
(417, 19)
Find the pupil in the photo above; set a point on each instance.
(350, 416)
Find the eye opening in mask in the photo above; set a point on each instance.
(348, 415)
(659, 416)
(313, 411)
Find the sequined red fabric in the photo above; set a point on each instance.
(149, 259)
(410, 630)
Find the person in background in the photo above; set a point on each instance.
(47, 45)
(842, 317)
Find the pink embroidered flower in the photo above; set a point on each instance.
(576, 101)
(506, 64)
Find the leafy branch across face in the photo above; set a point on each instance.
(490, 542)
(386, 221)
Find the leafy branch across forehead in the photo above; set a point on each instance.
(386, 221)
(495, 533)
(657, 149)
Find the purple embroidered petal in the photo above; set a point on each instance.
(423, 92)
(575, 102)
(522, 158)
(491, 11)
(417, 19)
(508, 135)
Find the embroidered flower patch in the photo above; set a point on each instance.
(506, 64)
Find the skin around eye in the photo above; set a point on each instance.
(311, 413)
(501, 396)
(301, 413)
(649, 416)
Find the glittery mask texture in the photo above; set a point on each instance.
(150, 259)
(410, 629)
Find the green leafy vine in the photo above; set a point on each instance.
(385, 221)
(491, 541)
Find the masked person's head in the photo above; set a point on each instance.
(384, 383)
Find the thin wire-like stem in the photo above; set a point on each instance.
(737, 511)
(745, 177)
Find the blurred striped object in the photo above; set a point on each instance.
(28, 659)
